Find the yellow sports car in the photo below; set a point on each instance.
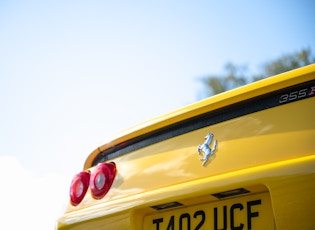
(243, 159)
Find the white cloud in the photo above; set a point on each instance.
(29, 201)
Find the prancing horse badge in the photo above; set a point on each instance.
(206, 150)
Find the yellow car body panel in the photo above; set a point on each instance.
(263, 150)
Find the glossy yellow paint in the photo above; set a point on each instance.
(218, 101)
(267, 152)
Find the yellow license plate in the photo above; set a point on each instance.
(247, 212)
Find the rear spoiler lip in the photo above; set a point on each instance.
(207, 105)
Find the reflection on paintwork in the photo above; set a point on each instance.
(171, 168)
(246, 126)
(269, 152)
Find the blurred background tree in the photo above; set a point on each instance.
(237, 75)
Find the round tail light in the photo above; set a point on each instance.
(102, 179)
(78, 188)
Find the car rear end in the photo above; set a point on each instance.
(243, 159)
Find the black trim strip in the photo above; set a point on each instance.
(280, 97)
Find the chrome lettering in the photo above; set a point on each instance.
(284, 98)
(295, 95)
(302, 93)
(312, 91)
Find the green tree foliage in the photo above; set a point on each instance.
(235, 75)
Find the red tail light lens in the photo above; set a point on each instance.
(78, 188)
(99, 181)
(102, 179)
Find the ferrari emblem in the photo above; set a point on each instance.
(206, 150)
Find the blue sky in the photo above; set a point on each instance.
(73, 73)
